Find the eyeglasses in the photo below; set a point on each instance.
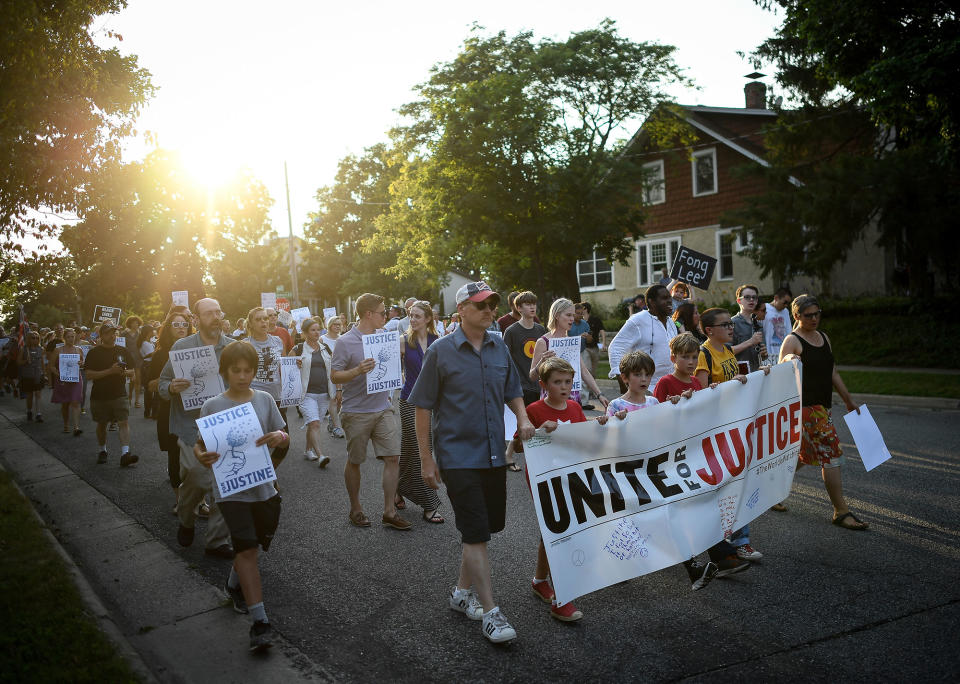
(381, 312)
(813, 314)
(180, 324)
(750, 297)
(213, 314)
(485, 304)
(728, 325)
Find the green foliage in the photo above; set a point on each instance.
(47, 316)
(509, 168)
(874, 141)
(66, 105)
(902, 384)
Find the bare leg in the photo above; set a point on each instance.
(351, 476)
(391, 475)
(65, 413)
(509, 455)
(543, 566)
(475, 570)
(313, 437)
(124, 431)
(834, 483)
(245, 563)
(75, 414)
(102, 435)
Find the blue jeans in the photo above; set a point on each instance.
(741, 536)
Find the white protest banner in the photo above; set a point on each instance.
(327, 313)
(509, 422)
(198, 365)
(233, 434)
(121, 341)
(103, 313)
(284, 318)
(268, 300)
(69, 367)
(384, 348)
(291, 386)
(866, 435)
(181, 298)
(631, 497)
(299, 315)
(568, 348)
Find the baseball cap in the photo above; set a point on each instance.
(475, 292)
(105, 326)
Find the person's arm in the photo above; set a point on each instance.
(524, 426)
(539, 354)
(428, 466)
(587, 378)
(341, 377)
(168, 385)
(629, 336)
(790, 348)
(751, 341)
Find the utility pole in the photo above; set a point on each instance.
(293, 251)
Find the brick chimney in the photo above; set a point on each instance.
(755, 94)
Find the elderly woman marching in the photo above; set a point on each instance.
(820, 445)
(313, 359)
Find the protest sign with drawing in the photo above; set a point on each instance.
(233, 434)
(268, 300)
(327, 313)
(299, 315)
(631, 497)
(284, 318)
(384, 349)
(69, 367)
(568, 349)
(181, 298)
(291, 385)
(198, 365)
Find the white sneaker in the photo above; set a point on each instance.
(747, 552)
(465, 601)
(496, 628)
(310, 456)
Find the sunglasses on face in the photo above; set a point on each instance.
(179, 324)
(485, 304)
(749, 297)
(813, 314)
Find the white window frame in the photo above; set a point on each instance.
(645, 244)
(653, 171)
(597, 288)
(744, 240)
(719, 235)
(711, 152)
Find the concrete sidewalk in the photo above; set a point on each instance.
(166, 620)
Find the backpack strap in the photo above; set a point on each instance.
(709, 357)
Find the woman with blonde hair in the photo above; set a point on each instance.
(318, 390)
(420, 334)
(329, 338)
(559, 323)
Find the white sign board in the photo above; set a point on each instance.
(181, 298)
(199, 365)
(291, 385)
(284, 318)
(268, 300)
(233, 434)
(384, 349)
(327, 313)
(568, 349)
(866, 435)
(299, 315)
(69, 367)
(121, 341)
(635, 496)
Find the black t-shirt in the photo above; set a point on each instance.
(596, 325)
(103, 358)
(521, 341)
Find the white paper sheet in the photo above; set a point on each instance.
(198, 365)
(299, 315)
(268, 300)
(568, 348)
(181, 298)
(327, 313)
(384, 348)
(867, 437)
(291, 386)
(69, 367)
(233, 434)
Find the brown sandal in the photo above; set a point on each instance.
(859, 525)
(358, 519)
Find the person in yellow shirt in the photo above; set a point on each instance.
(717, 362)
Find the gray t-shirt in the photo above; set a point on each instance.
(270, 420)
(347, 355)
(743, 331)
(267, 377)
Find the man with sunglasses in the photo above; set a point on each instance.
(197, 479)
(366, 417)
(466, 379)
(747, 335)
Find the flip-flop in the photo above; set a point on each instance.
(400, 503)
(838, 521)
(778, 507)
(436, 518)
(514, 468)
(358, 519)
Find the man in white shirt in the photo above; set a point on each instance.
(649, 331)
(404, 322)
(776, 325)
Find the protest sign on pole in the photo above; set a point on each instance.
(268, 300)
(631, 497)
(328, 312)
(568, 349)
(233, 434)
(299, 315)
(198, 365)
(106, 313)
(693, 268)
(384, 348)
(181, 298)
(291, 385)
(867, 437)
(69, 367)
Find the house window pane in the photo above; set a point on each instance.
(726, 255)
(585, 273)
(658, 257)
(594, 272)
(644, 265)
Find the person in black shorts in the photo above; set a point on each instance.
(108, 367)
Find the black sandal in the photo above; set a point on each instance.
(436, 518)
(838, 521)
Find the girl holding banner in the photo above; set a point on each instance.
(67, 386)
(559, 323)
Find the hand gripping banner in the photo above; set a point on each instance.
(631, 497)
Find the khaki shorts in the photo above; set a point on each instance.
(106, 410)
(381, 428)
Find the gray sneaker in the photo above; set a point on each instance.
(261, 636)
(465, 601)
(239, 603)
(496, 628)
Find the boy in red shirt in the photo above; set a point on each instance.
(556, 377)
(684, 353)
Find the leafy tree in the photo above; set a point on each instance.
(874, 140)
(66, 103)
(509, 166)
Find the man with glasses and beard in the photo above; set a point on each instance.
(367, 417)
(197, 479)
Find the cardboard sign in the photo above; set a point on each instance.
(693, 268)
(107, 313)
(268, 300)
(283, 304)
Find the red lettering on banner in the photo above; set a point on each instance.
(750, 429)
(734, 468)
(794, 422)
(715, 474)
(759, 423)
(770, 437)
(783, 431)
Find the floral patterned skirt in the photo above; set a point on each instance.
(820, 444)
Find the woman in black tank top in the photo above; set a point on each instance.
(820, 444)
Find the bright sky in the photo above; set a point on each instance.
(308, 82)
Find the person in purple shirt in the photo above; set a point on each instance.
(420, 334)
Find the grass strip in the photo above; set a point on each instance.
(47, 633)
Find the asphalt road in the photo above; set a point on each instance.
(824, 604)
